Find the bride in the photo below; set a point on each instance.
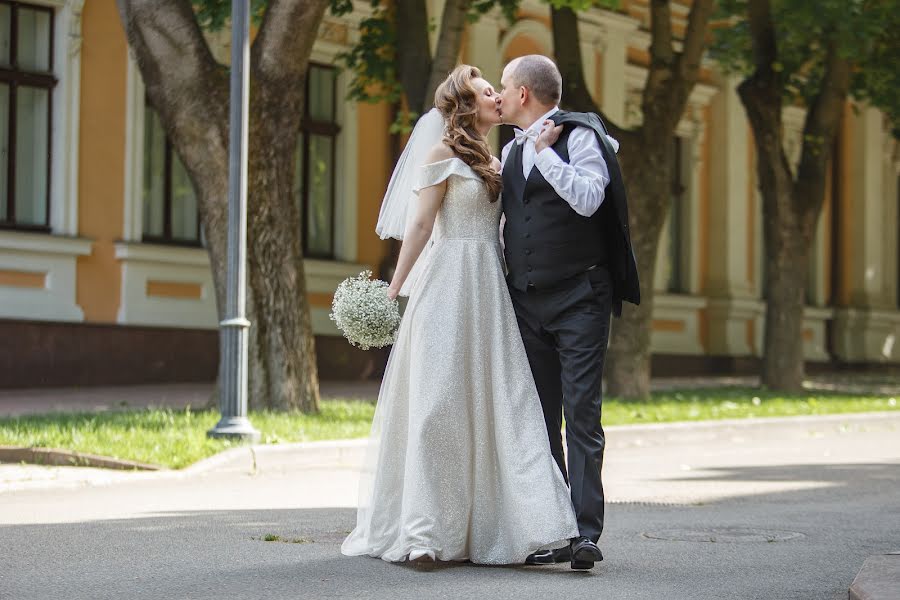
(459, 466)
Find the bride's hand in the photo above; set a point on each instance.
(392, 293)
(549, 134)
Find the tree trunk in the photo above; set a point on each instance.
(786, 244)
(567, 52)
(791, 207)
(786, 272)
(190, 92)
(453, 22)
(419, 74)
(627, 370)
(413, 58)
(646, 158)
(283, 355)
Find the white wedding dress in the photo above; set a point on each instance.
(459, 465)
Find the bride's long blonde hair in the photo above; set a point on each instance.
(457, 100)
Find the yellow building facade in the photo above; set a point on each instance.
(104, 279)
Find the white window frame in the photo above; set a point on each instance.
(64, 120)
(55, 254)
(183, 264)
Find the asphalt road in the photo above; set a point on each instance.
(786, 509)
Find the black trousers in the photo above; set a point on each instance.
(566, 331)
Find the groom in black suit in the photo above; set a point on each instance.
(570, 264)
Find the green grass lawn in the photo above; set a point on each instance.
(177, 438)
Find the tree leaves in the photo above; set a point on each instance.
(214, 14)
(864, 31)
(481, 7)
(372, 59)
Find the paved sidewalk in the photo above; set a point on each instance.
(769, 508)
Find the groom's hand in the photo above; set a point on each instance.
(549, 134)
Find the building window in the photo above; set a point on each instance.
(675, 282)
(315, 163)
(26, 94)
(170, 214)
(170, 209)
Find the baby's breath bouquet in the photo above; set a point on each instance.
(363, 312)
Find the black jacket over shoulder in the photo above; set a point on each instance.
(613, 214)
(546, 241)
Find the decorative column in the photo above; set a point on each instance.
(891, 221)
(733, 307)
(868, 329)
(66, 119)
(612, 42)
(483, 50)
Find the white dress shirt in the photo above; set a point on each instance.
(581, 182)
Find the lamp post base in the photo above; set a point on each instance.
(235, 428)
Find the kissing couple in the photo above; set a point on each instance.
(512, 267)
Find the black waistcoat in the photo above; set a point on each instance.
(546, 241)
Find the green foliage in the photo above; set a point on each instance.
(864, 31)
(372, 59)
(877, 78)
(341, 7)
(584, 4)
(405, 121)
(213, 14)
(481, 7)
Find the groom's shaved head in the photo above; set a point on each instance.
(540, 75)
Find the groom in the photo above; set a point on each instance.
(570, 265)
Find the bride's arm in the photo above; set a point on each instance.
(498, 166)
(418, 232)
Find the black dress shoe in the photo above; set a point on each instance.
(584, 554)
(550, 557)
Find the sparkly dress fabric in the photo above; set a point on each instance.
(459, 464)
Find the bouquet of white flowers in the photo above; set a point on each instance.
(362, 310)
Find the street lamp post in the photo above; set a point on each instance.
(235, 328)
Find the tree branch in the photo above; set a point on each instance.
(453, 22)
(661, 49)
(825, 112)
(413, 52)
(183, 81)
(695, 39)
(163, 33)
(567, 53)
(282, 47)
(762, 33)
(761, 91)
(658, 89)
(822, 119)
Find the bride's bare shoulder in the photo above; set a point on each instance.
(439, 152)
(495, 163)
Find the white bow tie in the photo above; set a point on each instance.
(528, 134)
